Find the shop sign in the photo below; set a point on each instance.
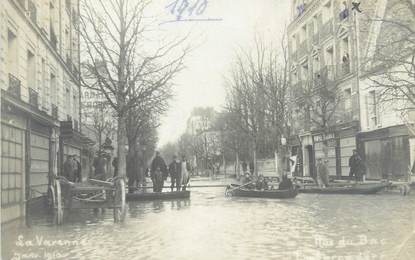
(323, 137)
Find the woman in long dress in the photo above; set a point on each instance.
(184, 176)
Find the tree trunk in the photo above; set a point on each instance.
(255, 160)
(121, 140)
(237, 166)
(132, 158)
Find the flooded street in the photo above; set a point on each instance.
(212, 226)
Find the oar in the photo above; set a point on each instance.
(240, 186)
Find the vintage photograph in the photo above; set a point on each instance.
(207, 129)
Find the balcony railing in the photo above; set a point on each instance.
(14, 86)
(344, 68)
(327, 73)
(326, 30)
(33, 98)
(32, 11)
(303, 49)
(54, 111)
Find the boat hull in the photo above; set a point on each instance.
(355, 189)
(158, 195)
(270, 194)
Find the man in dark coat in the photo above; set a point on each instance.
(115, 165)
(78, 170)
(158, 172)
(175, 172)
(355, 163)
(69, 168)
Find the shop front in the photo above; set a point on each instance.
(386, 152)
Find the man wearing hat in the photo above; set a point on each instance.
(322, 172)
(175, 172)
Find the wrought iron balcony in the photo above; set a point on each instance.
(33, 98)
(326, 30)
(325, 74)
(14, 86)
(54, 111)
(344, 69)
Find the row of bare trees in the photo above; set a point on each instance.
(133, 72)
(258, 99)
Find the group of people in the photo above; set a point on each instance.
(178, 170)
(72, 169)
(356, 165)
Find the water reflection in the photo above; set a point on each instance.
(211, 226)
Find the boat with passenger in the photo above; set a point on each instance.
(236, 190)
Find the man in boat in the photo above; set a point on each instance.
(322, 173)
(184, 173)
(355, 162)
(261, 183)
(99, 164)
(175, 172)
(158, 171)
(78, 169)
(286, 183)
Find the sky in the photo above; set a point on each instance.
(235, 25)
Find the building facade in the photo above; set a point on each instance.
(336, 108)
(39, 64)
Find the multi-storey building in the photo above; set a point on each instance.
(39, 64)
(329, 41)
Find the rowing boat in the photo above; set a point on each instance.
(346, 189)
(158, 195)
(233, 190)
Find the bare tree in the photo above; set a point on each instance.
(391, 68)
(100, 119)
(257, 94)
(119, 61)
(319, 101)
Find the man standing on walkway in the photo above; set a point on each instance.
(175, 172)
(69, 169)
(355, 162)
(158, 172)
(322, 173)
(78, 169)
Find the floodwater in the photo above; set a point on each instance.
(212, 226)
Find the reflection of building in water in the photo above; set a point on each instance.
(39, 78)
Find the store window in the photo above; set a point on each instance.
(11, 165)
